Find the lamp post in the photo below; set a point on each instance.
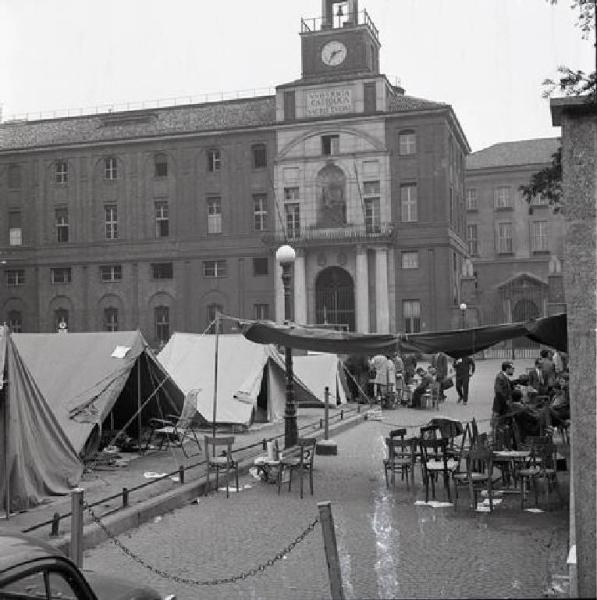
(285, 255)
(462, 308)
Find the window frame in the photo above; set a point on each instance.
(407, 142)
(110, 311)
(472, 199)
(61, 172)
(214, 217)
(472, 242)
(405, 255)
(214, 160)
(160, 165)
(111, 221)
(110, 168)
(412, 322)
(114, 272)
(260, 260)
(259, 156)
(261, 311)
(544, 246)
(65, 278)
(161, 322)
(62, 225)
(14, 277)
(215, 269)
(260, 212)
(330, 145)
(502, 199)
(162, 218)
(409, 207)
(161, 271)
(507, 248)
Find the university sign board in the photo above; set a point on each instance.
(329, 101)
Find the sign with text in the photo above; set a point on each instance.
(328, 102)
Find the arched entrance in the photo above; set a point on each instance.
(334, 298)
(524, 310)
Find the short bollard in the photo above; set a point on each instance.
(264, 444)
(320, 423)
(76, 527)
(125, 497)
(55, 525)
(181, 474)
(326, 446)
(342, 415)
(331, 549)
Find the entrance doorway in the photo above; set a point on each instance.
(334, 298)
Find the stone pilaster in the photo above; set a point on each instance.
(382, 309)
(362, 290)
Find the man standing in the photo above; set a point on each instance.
(502, 395)
(464, 367)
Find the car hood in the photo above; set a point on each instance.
(112, 588)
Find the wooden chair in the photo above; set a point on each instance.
(478, 475)
(173, 430)
(543, 465)
(435, 460)
(300, 460)
(401, 458)
(223, 461)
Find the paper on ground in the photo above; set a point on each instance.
(534, 510)
(433, 503)
(153, 475)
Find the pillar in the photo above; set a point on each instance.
(300, 288)
(278, 293)
(382, 309)
(362, 290)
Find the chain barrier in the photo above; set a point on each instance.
(206, 582)
(423, 424)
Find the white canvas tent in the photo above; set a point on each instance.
(318, 371)
(97, 381)
(251, 382)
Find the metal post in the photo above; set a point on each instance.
(125, 497)
(327, 413)
(290, 424)
(76, 527)
(331, 549)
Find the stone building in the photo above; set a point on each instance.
(158, 218)
(516, 254)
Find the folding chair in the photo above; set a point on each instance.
(173, 430)
(223, 461)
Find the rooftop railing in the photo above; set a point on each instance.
(340, 22)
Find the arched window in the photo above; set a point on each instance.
(160, 165)
(15, 321)
(214, 160)
(110, 319)
(61, 319)
(407, 142)
(162, 323)
(110, 168)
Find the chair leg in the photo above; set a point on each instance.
(311, 480)
(236, 472)
(301, 482)
(427, 487)
(522, 486)
(227, 479)
(280, 469)
(385, 469)
(290, 469)
(207, 482)
(536, 490)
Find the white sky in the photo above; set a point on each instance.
(487, 58)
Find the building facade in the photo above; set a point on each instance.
(159, 218)
(516, 251)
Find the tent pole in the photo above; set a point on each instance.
(139, 403)
(215, 401)
(6, 426)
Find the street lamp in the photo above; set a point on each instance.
(285, 255)
(462, 308)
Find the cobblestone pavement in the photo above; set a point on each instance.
(388, 546)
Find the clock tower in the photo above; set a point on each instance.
(342, 43)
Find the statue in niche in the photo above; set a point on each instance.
(331, 203)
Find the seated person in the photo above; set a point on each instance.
(526, 391)
(427, 379)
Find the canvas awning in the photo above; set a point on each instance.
(551, 331)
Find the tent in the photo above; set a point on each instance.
(318, 371)
(38, 459)
(251, 383)
(98, 381)
(551, 331)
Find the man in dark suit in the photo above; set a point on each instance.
(464, 368)
(502, 395)
(536, 379)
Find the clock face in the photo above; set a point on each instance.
(333, 53)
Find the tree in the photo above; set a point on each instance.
(547, 183)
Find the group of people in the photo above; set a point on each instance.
(523, 399)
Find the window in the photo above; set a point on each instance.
(161, 317)
(214, 215)
(61, 220)
(162, 221)
(160, 165)
(214, 160)
(411, 314)
(540, 200)
(260, 212)
(212, 313)
(293, 219)
(60, 275)
(61, 171)
(502, 197)
(471, 239)
(407, 143)
(504, 241)
(330, 145)
(15, 321)
(110, 319)
(371, 192)
(471, 199)
(14, 277)
(289, 106)
(14, 177)
(261, 312)
(370, 97)
(408, 203)
(259, 154)
(214, 268)
(15, 231)
(61, 319)
(110, 169)
(111, 221)
(539, 236)
(410, 260)
(162, 270)
(260, 266)
(110, 272)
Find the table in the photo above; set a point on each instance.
(267, 468)
(512, 459)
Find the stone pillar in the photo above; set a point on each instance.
(578, 119)
(382, 309)
(362, 290)
(300, 288)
